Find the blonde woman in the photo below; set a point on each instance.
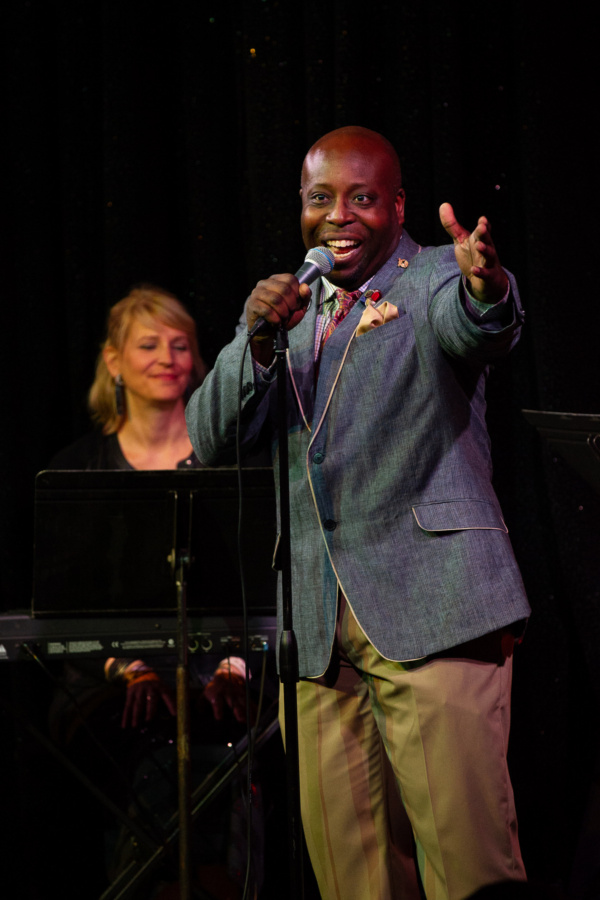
(147, 367)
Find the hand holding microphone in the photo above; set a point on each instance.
(279, 301)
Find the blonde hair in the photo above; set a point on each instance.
(146, 303)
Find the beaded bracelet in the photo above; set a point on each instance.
(131, 672)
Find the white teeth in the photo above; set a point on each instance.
(342, 243)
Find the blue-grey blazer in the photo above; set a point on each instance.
(390, 472)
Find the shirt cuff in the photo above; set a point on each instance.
(495, 316)
(263, 374)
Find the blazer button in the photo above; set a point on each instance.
(318, 458)
(329, 525)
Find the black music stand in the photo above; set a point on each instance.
(105, 542)
(575, 436)
(132, 541)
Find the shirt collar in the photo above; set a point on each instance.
(328, 290)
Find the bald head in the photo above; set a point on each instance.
(356, 140)
(352, 202)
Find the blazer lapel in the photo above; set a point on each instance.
(337, 347)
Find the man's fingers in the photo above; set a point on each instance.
(276, 300)
(454, 228)
(481, 272)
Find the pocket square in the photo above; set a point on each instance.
(374, 316)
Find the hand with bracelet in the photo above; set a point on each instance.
(145, 690)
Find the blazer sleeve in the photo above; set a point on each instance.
(456, 330)
(212, 411)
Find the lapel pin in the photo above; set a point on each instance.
(371, 297)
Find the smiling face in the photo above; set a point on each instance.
(155, 362)
(352, 203)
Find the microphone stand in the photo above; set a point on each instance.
(288, 648)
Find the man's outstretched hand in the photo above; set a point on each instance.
(476, 257)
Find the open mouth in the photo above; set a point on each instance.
(342, 249)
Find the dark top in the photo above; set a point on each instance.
(103, 451)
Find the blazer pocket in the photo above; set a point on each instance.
(390, 329)
(458, 515)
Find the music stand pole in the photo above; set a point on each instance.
(288, 650)
(183, 729)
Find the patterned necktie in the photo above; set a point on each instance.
(346, 302)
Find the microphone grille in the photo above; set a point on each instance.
(323, 259)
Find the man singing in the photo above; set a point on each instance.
(407, 597)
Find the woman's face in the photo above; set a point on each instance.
(155, 362)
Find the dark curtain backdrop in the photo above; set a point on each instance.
(163, 143)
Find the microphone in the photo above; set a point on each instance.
(318, 261)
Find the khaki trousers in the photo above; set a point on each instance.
(433, 733)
